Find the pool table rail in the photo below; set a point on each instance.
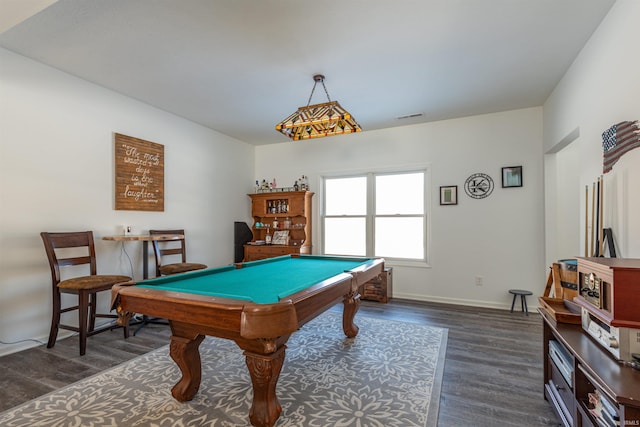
(232, 318)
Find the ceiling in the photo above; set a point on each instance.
(241, 66)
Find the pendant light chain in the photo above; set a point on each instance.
(325, 90)
(318, 78)
(311, 96)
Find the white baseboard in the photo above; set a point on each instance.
(27, 343)
(532, 303)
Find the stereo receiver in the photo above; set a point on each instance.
(622, 343)
(609, 296)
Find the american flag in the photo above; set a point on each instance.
(617, 141)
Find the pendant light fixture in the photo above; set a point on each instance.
(318, 120)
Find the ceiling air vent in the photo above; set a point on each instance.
(410, 116)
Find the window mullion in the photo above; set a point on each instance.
(371, 203)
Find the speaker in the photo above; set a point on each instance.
(241, 235)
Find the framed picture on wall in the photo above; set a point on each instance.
(449, 195)
(512, 176)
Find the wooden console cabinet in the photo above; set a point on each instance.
(593, 370)
(294, 206)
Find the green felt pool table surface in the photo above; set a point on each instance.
(261, 282)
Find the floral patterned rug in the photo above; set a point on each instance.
(389, 375)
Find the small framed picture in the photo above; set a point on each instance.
(280, 237)
(512, 176)
(449, 195)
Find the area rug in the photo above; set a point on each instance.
(389, 375)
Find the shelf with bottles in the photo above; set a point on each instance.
(281, 205)
(277, 206)
(282, 211)
(294, 231)
(301, 184)
(275, 223)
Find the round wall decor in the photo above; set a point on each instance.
(478, 186)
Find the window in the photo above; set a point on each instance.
(376, 214)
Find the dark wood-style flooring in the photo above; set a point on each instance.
(492, 376)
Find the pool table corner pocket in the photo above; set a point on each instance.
(268, 320)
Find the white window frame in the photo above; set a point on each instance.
(370, 215)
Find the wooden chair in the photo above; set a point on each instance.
(167, 248)
(59, 247)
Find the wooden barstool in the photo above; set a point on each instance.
(169, 248)
(162, 249)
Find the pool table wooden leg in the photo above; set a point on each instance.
(351, 305)
(184, 351)
(265, 370)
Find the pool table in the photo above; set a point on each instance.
(257, 304)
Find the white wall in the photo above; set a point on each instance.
(57, 174)
(601, 88)
(499, 238)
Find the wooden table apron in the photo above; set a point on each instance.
(261, 330)
(145, 239)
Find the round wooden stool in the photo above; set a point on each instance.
(523, 299)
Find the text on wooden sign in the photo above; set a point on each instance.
(139, 174)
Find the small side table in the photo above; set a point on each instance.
(145, 239)
(523, 299)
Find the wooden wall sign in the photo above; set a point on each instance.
(139, 174)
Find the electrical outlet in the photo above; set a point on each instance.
(126, 229)
(479, 281)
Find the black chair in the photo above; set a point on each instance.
(172, 248)
(85, 287)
